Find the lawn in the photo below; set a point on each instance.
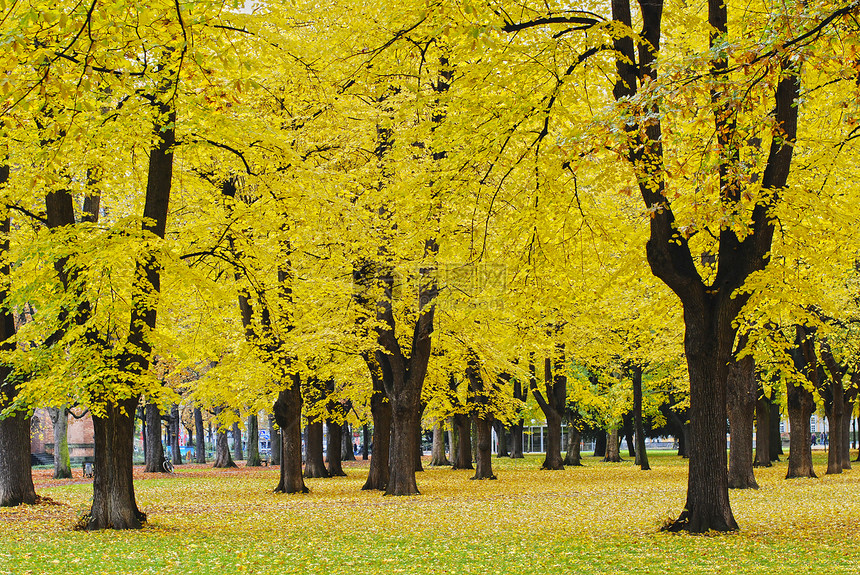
(601, 518)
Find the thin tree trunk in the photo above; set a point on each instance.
(775, 433)
(175, 453)
(60, 419)
(275, 445)
(365, 442)
(347, 447)
(253, 446)
(238, 455)
(599, 444)
(641, 453)
(502, 438)
(334, 447)
(438, 456)
(845, 440)
(200, 440)
(154, 447)
(762, 432)
(741, 395)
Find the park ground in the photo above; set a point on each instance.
(601, 518)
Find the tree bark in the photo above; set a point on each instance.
(365, 442)
(334, 448)
(175, 453)
(200, 440)
(762, 434)
(238, 455)
(741, 399)
(775, 433)
(520, 394)
(347, 448)
(463, 440)
(574, 438)
(553, 404)
(288, 415)
(613, 451)
(253, 445)
(641, 453)
(483, 419)
(502, 438)
(314, 462)
(380, 411)
(60, 419)
(847, 412)
(801, 405)
(223, 459)
(484, 452)
(599, 443)
(154, 447)
(275, 447)
(438, 456)
(114, 505)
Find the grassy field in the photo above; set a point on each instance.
(601, 518)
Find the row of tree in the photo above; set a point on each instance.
(408, 208)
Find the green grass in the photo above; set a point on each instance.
(602, 518)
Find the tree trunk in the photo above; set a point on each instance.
(114, 505)
(402, 463)
(314, 461)
(175, 453)
(380, 411)
(223, 459)
(438, 456)
(253, 445)
(517, 429)
(845, 440)
(288, 415)
(334, 447)
(347, 447)
(275, 445)
(833, 409)
(639, 427)
(628, 436)
(502, 438)
(553, 459)
(775, 433)
(801, 405)
(741, 398)
(200, 440)
(463, 441)
(599, 444)
(419, 444)
(154, 448)
(574, 438)
(552, 402)
(16, 480)
(60, 419)
(365, 442)
(484, 451)
(238, 455)
(613, 451)
(762, 432)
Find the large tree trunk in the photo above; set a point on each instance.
(801, 405)
(16, 480)
(484, 451)
(223, 459)
(200, 440)
(314, 461)
(238, 455)
(438, 456)
(333, 449)
(574, 439)
(762, 432)
(347, 447)
(380, 411)
(154, 447)
(741, 407)
(288, 415)
(613, 451)
(639, 428)
(253, 445)
(463, 440)
(60, 419)
(114, 505)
